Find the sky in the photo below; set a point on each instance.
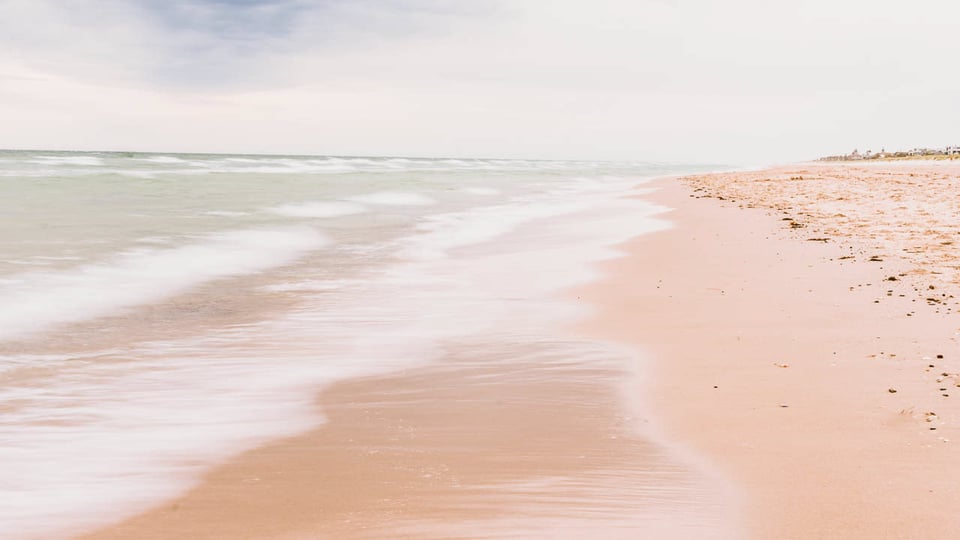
(745, 82)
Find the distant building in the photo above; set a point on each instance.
(856, 155)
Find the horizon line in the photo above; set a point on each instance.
(354, 156)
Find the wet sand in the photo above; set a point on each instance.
(787, 354)
(486, 446)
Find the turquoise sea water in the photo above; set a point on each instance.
(159, 312)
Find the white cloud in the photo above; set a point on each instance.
(741, 80)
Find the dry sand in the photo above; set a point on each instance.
(777, 351)
(789, 357)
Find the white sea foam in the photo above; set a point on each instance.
(49, 173)
(154, 240)
(481, 191)
(311, 285)
(320, 209)
(453, 230)
(145, 175)
(162, 159)
(275, 166)
(68, 160)
(58, 257)
(394, 198)
(226, 213)
(293, 168)
(174, 414)
(46, 299)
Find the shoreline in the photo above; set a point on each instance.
(540, 448)
(490, 439)
(776, 360)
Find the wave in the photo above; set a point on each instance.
(226, 213)
(68, 160)
(324, 209)
(394, 198)
(162, 159)
(39, 301)
(481, 191)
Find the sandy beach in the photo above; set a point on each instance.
(801, 321)
(797, 333)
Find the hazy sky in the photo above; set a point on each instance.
(735, 81)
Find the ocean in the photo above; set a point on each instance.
(162, 312)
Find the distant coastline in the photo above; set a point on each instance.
(944, 153)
